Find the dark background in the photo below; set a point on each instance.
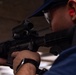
(13, 12)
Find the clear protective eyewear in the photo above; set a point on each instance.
(47, 16)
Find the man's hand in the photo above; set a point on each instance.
(28, 67)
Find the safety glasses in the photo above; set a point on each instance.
(47, 16)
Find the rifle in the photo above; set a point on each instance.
(24, 37)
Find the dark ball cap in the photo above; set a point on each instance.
(46, 5)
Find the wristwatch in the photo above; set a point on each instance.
(27, 60)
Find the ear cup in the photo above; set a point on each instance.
(71, 12)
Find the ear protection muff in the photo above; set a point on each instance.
(71, 12)
(71, 9)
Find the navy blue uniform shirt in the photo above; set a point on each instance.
(65, 64)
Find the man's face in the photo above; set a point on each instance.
(60, 19)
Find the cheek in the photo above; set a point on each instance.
(55, 24)
(60, 23)
(56, 28)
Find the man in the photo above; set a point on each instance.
(61, 15)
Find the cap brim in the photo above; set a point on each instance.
(50, 4)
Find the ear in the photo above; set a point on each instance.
(72, 9)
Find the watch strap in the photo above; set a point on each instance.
(27, 60)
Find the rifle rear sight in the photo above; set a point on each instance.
(23, 30)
